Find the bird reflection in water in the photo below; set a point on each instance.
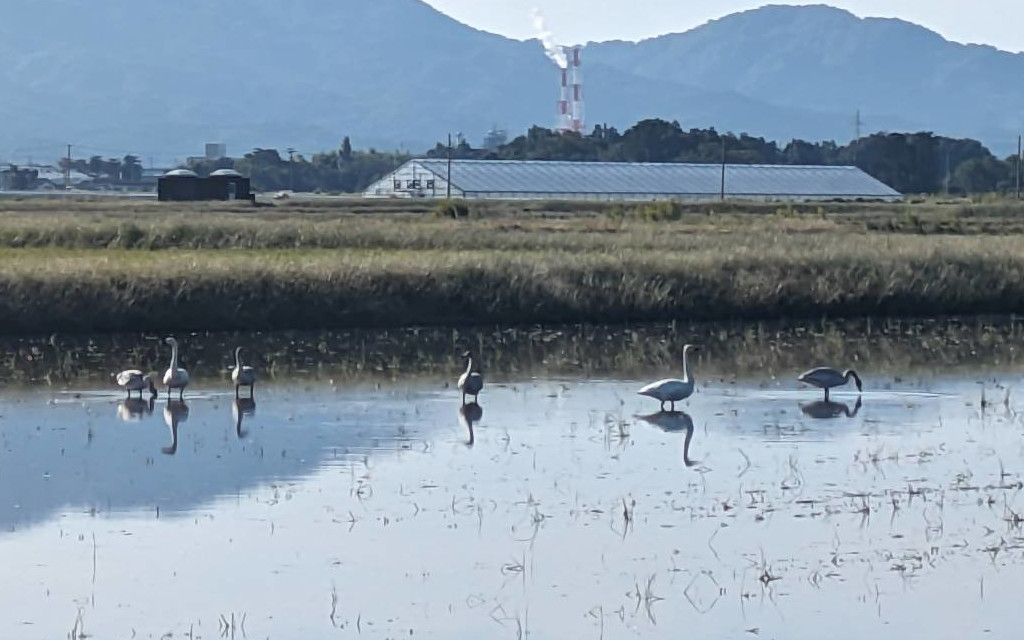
(468, 414)
(675, 422)
(135, 409)
(828, 410)
(175, 412)
(241, 409)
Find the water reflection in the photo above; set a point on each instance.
(829, 410)
(241, 409)
(675, 422)
(468, 414)
(175, 413)
(135, 409)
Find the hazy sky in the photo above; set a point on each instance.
(996, 22)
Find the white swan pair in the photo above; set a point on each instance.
(675, 390)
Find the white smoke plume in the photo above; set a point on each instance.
(551, 47)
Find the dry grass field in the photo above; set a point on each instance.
(129, 266)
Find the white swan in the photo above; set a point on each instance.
(672, 390)
(242, 375)
(175, 377)
(134, 380)
(826, 378)
(470, 382)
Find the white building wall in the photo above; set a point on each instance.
(411, 180)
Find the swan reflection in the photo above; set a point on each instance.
(468, 414)
(135, 409)
(829, 410)
(675, 422)
(175, 412)
(241, 409)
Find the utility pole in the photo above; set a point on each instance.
(857, 124)
(1019, 150)
(448, 180)
(945, 182)
(723, 169)
(67, 171)
(291, 169)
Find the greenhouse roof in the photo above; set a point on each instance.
(621, 178)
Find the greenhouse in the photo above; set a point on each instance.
(620, 181)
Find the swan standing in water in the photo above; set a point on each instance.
(134, 380)
(243, 375)
(827, 378)
(175, 377)
(471, 382)
(672, 390)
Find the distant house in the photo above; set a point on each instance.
(38, 177)
(14, 178)
(51, 177)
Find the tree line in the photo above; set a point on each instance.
(909, 162)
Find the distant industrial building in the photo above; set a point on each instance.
(182, 185)
(624, 182)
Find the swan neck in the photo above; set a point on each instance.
(174, 355)
(686, 365)
(469, 365)
(238, 358)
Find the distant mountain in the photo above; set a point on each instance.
(160, 78)
(900, 75)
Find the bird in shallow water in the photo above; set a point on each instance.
(175, 377)
(827, 378)
(132, 380)
(673, 390)
(471, 383)
(243, 375)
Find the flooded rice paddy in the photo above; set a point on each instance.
(356, 497)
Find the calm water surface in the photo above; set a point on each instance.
(345, 503)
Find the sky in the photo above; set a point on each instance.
(996, 22)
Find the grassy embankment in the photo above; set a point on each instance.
(116, 266)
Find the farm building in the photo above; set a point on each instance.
(620, 181)
(184, 185)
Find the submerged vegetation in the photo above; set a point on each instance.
(98, 266)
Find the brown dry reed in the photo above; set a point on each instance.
(72, 266)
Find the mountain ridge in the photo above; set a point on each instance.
(155, 78)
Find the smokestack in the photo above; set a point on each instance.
(576, 74)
